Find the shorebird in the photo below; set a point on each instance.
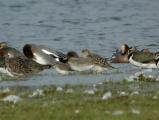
(78, 63)
(63, 68)
(18, 66)
(100, 63)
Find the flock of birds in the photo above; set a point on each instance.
(36, 58)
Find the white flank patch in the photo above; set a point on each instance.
(39, 59)
(57, 59)
(149, 65)
(12, 98)
(49, 53)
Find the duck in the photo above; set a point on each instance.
(121, 55)
(43, 55)
(11, 61)
(4, 48)
(143, 59)
(20, 66)
(100, 63)
(78, 63)
(47, 56)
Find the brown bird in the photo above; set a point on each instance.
(100, 63)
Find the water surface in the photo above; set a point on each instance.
(99, 25)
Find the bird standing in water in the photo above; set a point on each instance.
(21, 66)
(78, 63)
(100, 63)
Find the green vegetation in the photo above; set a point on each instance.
(79, 102)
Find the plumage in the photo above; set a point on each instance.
(121, 55)
(143, 59)
(63, 68)
(78, 63)
(100, 63)
(43, 55)
(20, 66)
(14, 63)
(4, 48)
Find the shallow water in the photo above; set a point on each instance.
(99, 25)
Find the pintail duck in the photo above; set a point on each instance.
(121, 55)
(143, 59)
(100, 63)
(43, 55)
(78, 63)
(21, 66)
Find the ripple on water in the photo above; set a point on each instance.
(67, 25)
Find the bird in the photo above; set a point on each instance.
(4, 48)
(78, 63)
(14, 63)
(143, 59)
(121, 55)
(43, 55)
(63, 68)
(19, 66)
(100, 63)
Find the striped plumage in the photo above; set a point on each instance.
(100, 63)
(20, 66)
(17, 66)
(14, 63)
